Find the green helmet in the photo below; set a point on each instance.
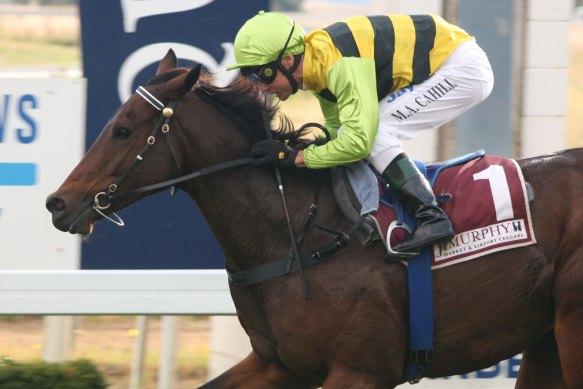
(263, 37)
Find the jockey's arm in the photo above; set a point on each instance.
(331, 119)
(353, 81)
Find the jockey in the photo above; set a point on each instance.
(378, 79)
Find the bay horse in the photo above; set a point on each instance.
(352, 330)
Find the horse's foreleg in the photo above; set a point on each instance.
(343, 377)
(253, 372)
(540, 366)
(569, 320)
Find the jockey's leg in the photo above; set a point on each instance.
(462, 81)
(433, 225)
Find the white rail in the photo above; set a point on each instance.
(111, 292)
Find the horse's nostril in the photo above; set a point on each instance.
(55, 204)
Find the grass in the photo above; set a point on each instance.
(108, 341)
(30, 39)
(30, 50)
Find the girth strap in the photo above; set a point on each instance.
(286, 265)
(289, 265)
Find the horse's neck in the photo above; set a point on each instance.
(242, 205)
(245, 211)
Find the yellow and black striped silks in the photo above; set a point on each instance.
(406, 49)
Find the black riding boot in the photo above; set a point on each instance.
(433, 225)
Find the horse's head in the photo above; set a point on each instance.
(135, 148)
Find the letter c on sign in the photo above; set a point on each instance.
(150, 54)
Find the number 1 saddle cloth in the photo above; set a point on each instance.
(486, 199)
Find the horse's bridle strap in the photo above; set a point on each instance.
(150, 98)
(161, 126)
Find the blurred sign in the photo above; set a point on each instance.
(500, 376)
(123, 41)
(41, 140)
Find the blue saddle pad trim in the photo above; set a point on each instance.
(433, 169)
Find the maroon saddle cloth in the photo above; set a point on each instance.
(487, 202)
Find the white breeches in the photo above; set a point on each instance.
(462, 81)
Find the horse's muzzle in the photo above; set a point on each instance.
(56, 205)
(64, 219)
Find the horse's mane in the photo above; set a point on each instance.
(247, 105)
(252, 108)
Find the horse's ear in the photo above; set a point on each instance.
(168, 62)
(191, 78)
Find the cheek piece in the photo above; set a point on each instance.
(288, 72)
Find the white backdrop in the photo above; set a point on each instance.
(42, 125)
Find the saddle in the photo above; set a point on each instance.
(463, 186)
(369, 230)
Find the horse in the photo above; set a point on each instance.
(352, 330)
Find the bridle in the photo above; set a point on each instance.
(103, 200)
(289, 264)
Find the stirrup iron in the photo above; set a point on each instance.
(399, 254)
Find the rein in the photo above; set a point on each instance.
(295, 262)
(292, 236)
(170, 183)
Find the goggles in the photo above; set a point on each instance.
(266, 73)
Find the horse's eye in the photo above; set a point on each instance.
(123, 133)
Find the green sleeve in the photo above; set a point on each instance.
(331, 119)
(353, 81)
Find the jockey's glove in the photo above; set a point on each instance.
(273, 152)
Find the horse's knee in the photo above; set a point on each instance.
(540, 366)
(254, 372)
(569, 336)
(344, 378)
(568, 318)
